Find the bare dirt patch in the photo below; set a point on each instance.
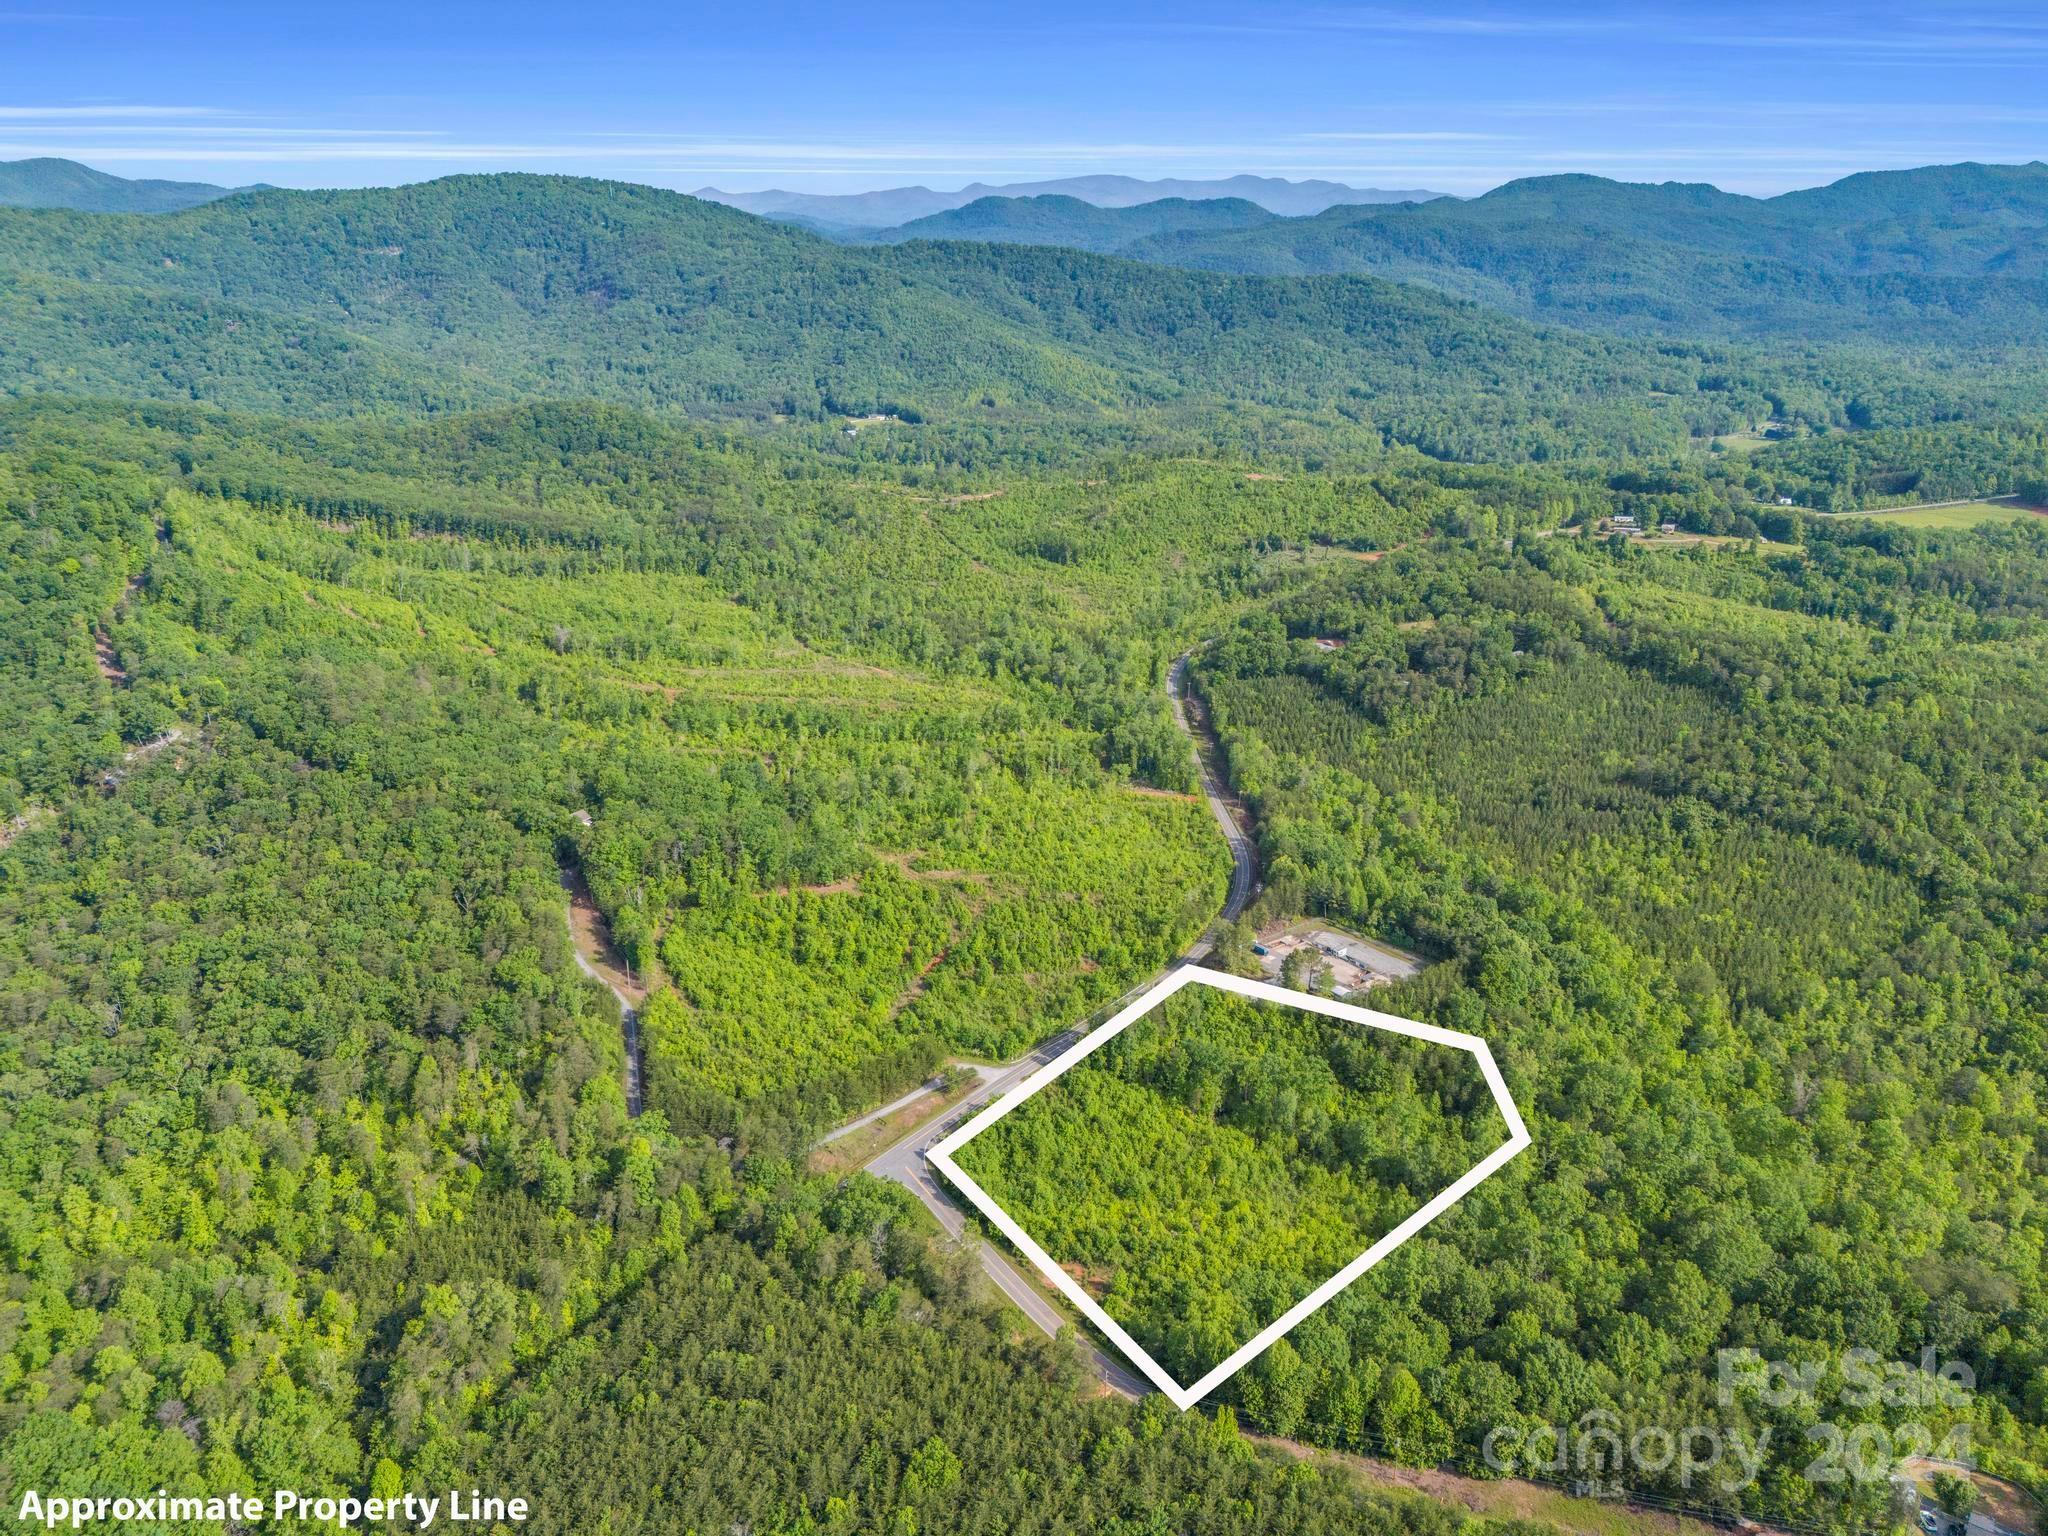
(145, 750)
(844, 886)
(2007, 1503)
(1154, 792)
(1094, 1281)
(904, 863)
(665, 691)
(965, 496)
(593, 941)
(103, 658)
(141, 753)
(918, 983)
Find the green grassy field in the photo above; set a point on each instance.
(1969, 515)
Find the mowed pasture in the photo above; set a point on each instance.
(1968, 514)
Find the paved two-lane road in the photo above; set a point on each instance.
(906, 1163)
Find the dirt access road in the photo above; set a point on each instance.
(596, 958)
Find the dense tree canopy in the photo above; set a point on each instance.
(319, 1166)
(1736, 858)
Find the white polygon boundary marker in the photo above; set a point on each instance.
(1186, 1397)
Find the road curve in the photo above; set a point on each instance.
(907, 1163)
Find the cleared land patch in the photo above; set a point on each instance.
(1968, 514)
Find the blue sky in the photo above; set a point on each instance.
(1454, 96)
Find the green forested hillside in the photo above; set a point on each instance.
(287, 977)
(1941, 256)
(1876, 469)
(113, 340)
(475, 290)
(317, 1142)
(791, 1380)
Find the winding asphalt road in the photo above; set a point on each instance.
(906, 1162)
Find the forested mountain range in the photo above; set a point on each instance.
(1946, 253)
(476, 290)
(897, 205)
(1943, 254)
(53, 183)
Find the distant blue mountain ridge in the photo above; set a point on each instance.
(892, 206)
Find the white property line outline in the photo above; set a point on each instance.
(941, 1158)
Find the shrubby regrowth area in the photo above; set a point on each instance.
(554, 558)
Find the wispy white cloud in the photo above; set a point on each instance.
(103, 112)
(1869, 33)
(1760, 143)
(1420, 137)
(1421, 22)
(1948, 36)
(216, 131)
(1429, 21)
(312, 145)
